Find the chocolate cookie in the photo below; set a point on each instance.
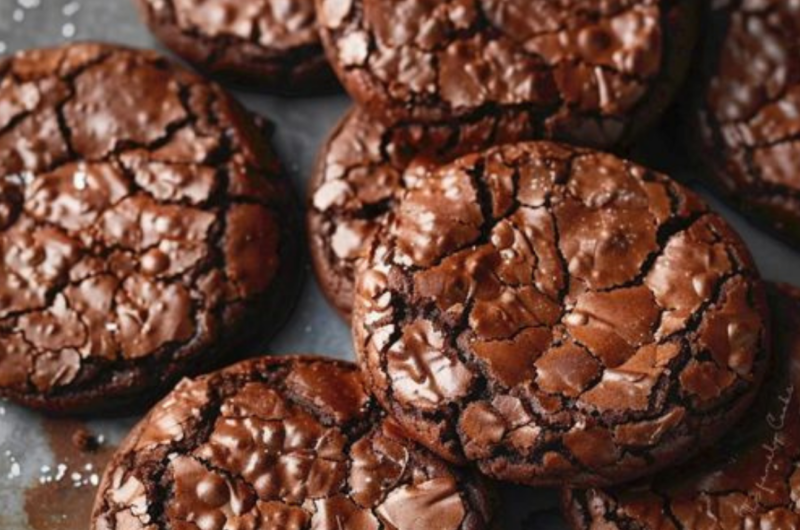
(746, 109)
(292, 443)
(594, 73)
(558, 315)
(143, 227)
(362, 169)
(271, 44)
(751, 480)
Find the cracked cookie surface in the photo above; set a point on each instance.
(559, 315)
(750, 480)
(272, 44)
(291, 442)
(595, 73)
(362, 169)
(746, 108)
(143, 226)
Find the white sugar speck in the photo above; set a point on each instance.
(79, 180)
(3, 47)
(18, 15)
(25, 177)
(15, 470)
(29, 4)
(70, 9)
(68, 30)
(77, 475)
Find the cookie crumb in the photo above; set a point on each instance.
(85, 441)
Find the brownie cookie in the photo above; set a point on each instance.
(746, 108)
(271, 44)
(292, 442)
(594, 73)
(559, 315)
(751, 480)
(143, 227)
(362, 169)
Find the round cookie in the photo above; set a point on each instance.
(144, 229)
(558, 315)
(744, 120)
(361, 170)
(596, 73)
(270, 44)
(292, 442)
(751, 480)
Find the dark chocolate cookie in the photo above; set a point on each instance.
(747, 110)
(362, 169)
(291, 443)
(594, 73)
(751, 480)
(143, 227)
(267, 43)
(559, 315)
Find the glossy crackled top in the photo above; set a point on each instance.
(280, 25)
(749, 103)
(136, 217)
(270, 44)
(559, 314)
(285, 443)
(363, 167)
(752, 480)
(580, 68)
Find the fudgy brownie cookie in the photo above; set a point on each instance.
(362, 169)
(271, 44)
(559, 315)
(143, 227)
(292, 443)
(594, 73)
(751, 480)
(746, 108)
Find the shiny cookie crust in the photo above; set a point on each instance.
(750, 480)
(592, 73)
(362, 169)
(291, 442)
(143, 226)
(743, 122)
(558, 315)
(272, 45)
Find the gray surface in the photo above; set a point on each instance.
(314, 327)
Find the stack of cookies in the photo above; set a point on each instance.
(526, 304)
